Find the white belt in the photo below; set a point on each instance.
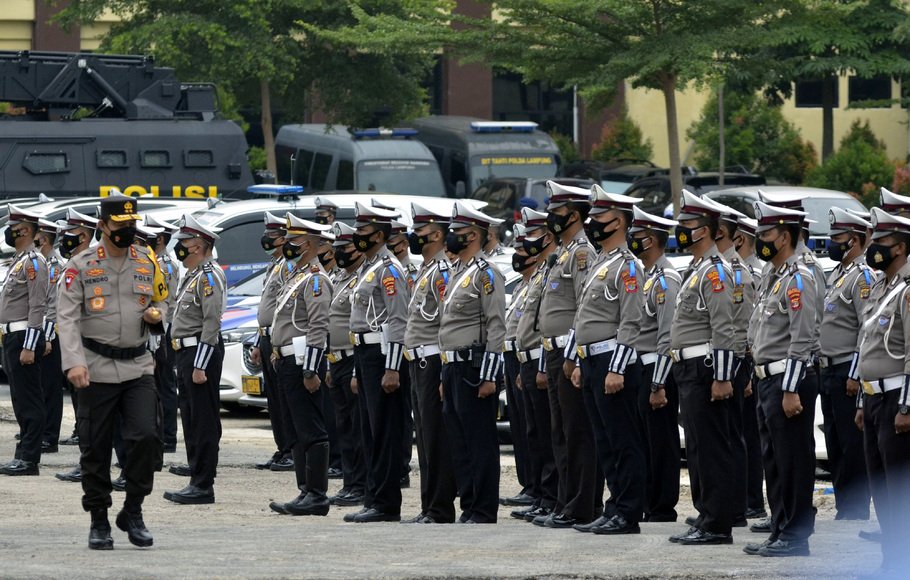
(830, 361)
(421, 352)
(8, 327)
(649, 358)
(681, 354)
(361, 338)
(450, 356)
(283, 351)
(528, 355)
(770, 369)
(879, 386)
(595, 348)
(555, 342)
(509, 346)
(187, 342)
(265, 331)
(339, 355)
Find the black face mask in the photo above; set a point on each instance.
(181, 251)
(597, 231)
(684, 237)
(290, 251)
(268, 243)
(535, 246)
(345, 259)
(363, 243)
(9, 236)
(879, 256)
(637, 245)
(837, 250)
(416, 243)
(324, 259)
(321, 219)
(124, 237)
(738, 247)
(765, 250)
(394, 247)
(521, 263)
(456, 243)
(558, 223)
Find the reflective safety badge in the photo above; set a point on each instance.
(794, 295)
(717, 285)
(630, 282)
(389, 283)
(97, 303)
(69, 276)
(581, 259)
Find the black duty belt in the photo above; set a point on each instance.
(113, 351)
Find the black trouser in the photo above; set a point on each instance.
(544, 476)
(331, 429)
(617, 432)
(200, 412)
(573, 443)
(755, 474)
(407, 442)
(54, 384)
(888, 464)
(27, 394)
(136, 403)
(788, 452)
(384, 415)
(347, 419)
(274, 395)
(739, 476)
(518, 426)
(437, 474)
(662, 438)
(471, 423)
(708, 451)
(844, 441)
(166, 383)
(306, 412)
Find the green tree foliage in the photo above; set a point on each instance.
(757, 136)
(859, 167)
(568, 149)
(622, 138)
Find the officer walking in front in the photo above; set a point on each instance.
(471, 335)
(703, 366)
(658, 404)
(299, 335)
(787, 385)
(378, 322)
(884, 369)
(437, 474)
(603, 337)
(54, 383)
(196, 334)
(110, 298)
(849, 289)
(22, 308)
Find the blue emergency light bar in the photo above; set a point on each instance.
(503, 127)
(272, 189)
(368, 133)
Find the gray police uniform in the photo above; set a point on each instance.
(101, 302)
(380, 308)
(700, 341)
(471, 335)
(783, 354)
(407, 443)
(607, 327)
(52, 379)
(165, 357)
(196, 331)
(518, 427)
(573, 437)
(22, 307)
(421, 340)
(847, 297)
(526, 308)
(660, 290)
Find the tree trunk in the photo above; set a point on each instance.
(268, 136)
(827, 117)
(668, 86)
(722, 141)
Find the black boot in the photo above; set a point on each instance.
(99, 535)
(130, 521)
(317, 476)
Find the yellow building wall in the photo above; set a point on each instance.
(16, 19)
(648, 109)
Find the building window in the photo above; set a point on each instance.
(874, 89)
(540, 102)
(809, 93)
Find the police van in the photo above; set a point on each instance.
(332, 158)
(472, 151)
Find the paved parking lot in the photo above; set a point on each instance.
(43, 533)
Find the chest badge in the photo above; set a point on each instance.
(563, 258)
(776, 288)
(370, 277)
(466, 282)
(423, 284)
(603, 273)
(97, 303)
(693, 282)
(648, 285)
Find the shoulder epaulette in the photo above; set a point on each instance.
(482, 264)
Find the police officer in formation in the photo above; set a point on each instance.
(53, 381)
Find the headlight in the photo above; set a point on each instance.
(236, 335)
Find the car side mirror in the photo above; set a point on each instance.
(460, 191)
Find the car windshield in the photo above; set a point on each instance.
(486, 167)
(615, 186)
(406, 176)
(817, 208)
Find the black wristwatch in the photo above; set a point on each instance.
(904, 409)
(308, 374)
(656, 388)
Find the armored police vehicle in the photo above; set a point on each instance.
(82, 124)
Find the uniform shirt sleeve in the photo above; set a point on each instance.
(318, 300)
(665, 310)
(210, 293)
(582, 259)
(493, 301)
(394, 293)
(860, 291)
(801, 305)
(718, 297)
(70, 296)
(631, 304)
(904, 308)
